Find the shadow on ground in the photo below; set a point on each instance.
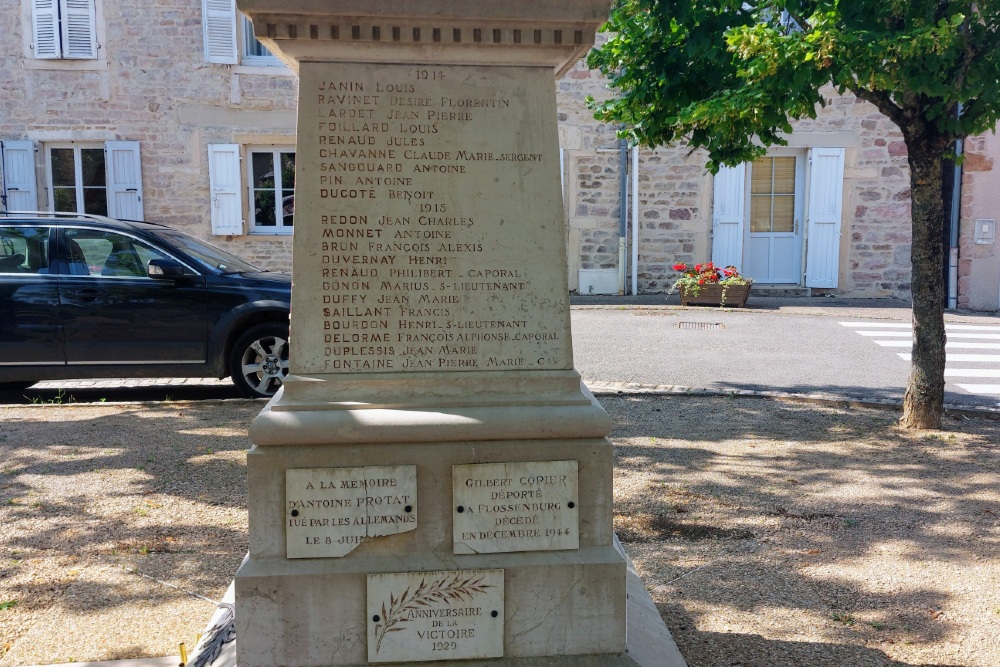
(122, 393)
(120, 511)
(733, 649)
(771, 534)
(773, 528)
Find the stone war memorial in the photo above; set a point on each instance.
(433, 482)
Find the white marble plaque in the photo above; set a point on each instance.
(425, 616)
(522, 506)
(330, 511)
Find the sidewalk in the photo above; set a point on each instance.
(875, 309)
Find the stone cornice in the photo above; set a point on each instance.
(427, 33)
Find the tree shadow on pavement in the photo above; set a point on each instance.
(806, 524)
(76, 392)
(892, 397)
(710, 649)
(113, 509)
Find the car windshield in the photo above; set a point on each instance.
(209, 255)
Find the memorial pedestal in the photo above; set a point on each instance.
(433, 482)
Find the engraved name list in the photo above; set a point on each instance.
(404, 258)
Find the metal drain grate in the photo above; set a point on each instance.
(701, 325)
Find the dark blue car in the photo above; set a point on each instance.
(86, 296)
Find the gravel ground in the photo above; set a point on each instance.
(771, 534)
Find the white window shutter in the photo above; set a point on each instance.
(825, 210)
(19, 185)
(728, 209)
(219, 29)
(45, 28)
(224, 181)
(121, 159)
(79, 28)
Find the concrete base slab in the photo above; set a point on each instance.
(648, 642)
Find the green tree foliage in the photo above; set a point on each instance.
(727, 76)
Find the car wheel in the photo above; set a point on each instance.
(258, 361)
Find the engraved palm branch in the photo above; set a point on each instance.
(446, 589)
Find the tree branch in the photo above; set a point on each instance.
(882, 100)
(968, 57)
(802, 24)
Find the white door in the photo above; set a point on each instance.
(729, 205)
(772, 241)
(826, 192)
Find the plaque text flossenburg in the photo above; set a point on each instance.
(522, 506)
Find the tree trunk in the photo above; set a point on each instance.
(923, 403)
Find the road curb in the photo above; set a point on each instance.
(599, 388)
(888, 404)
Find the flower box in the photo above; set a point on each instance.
(733, 296)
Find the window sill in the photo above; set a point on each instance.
(263, 70)
(96, 65)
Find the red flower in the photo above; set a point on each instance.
(680, 267)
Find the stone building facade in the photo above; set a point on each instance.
(678, 211)
(170, 110)
(142, 75)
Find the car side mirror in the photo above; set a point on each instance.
(165, 269)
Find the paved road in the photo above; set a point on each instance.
(847, 349)
(852, 353)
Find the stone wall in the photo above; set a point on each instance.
(675, 193)
(152, 85)
(979, 263)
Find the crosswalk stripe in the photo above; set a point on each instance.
(969, 327)
(900, 325)
(990, 358)
(959, 337)
(981, 388)
(948, 346)
(972, 372)
(951, 335)
(883, 325)
(976, 336)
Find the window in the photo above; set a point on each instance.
(100, 179)
(252, 51)
(758, 231)
(772, 195)
(229, 37)
(24, 250)
(78, 178)
(272, 191)
(265, 188)
(64, 29)
(101, 253)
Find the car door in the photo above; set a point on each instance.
(30, 328)
(113, 313)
